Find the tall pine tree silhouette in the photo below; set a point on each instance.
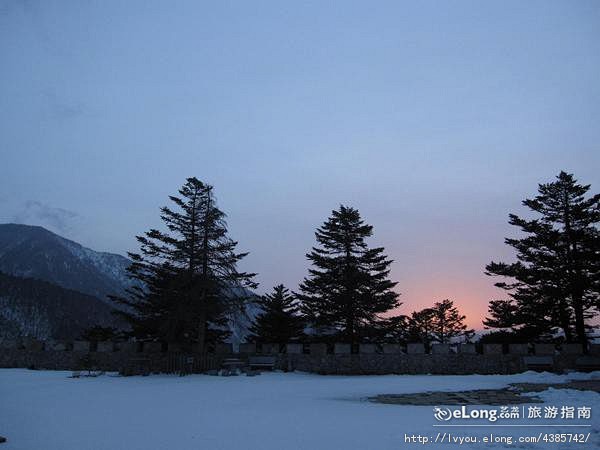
(279, 321)
(348, 286)
(557, 273)
(188, 277)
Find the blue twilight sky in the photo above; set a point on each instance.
(435, 119)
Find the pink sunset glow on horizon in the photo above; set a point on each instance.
(470, 296)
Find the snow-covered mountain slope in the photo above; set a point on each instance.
(35, 308)
(32, 251)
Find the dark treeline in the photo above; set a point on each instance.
(189, 281)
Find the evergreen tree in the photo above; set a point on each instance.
(557, 273)
(188, 277)
(447, 322)
(394, 329)
(519, 323)
(420, 325)
(279, 321)
(348, 286)
(440, 323)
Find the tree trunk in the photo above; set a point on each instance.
(580, 322)
(202, 329)
(577, 295)
(566, 326)
(565, 323)
(204, 297)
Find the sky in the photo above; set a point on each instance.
(434, 119)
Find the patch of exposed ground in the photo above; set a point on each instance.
(579, 385)
(477, 397)
(507, 396)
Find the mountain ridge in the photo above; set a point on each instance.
(34, 252)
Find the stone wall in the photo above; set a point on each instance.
(148, 357)
(315, 357)
(441, 359)
(378, 364)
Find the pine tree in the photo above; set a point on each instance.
(420, 325)
(279, 321)
(394, 329)
(188, 277)
(557, 273)
(348, 286)
(440, 323)
(447, 322)
(521, 324)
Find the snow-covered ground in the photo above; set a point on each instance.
(47, 410)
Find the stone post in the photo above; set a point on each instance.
(545, 349)
(342, 349)
(518, 349)
(129, 347)
(467, 348)
(81, 346)
(318, 349)
(270, 349)
(572, 349)
(415, 348)
(492, 349)
(294, 348)
(105, 346)
(367, 348)
(440, 349)
(392, 349)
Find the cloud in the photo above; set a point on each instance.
(37, 213)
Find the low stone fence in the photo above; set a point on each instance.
(125, 357)
(344, 359)
(338, 358)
